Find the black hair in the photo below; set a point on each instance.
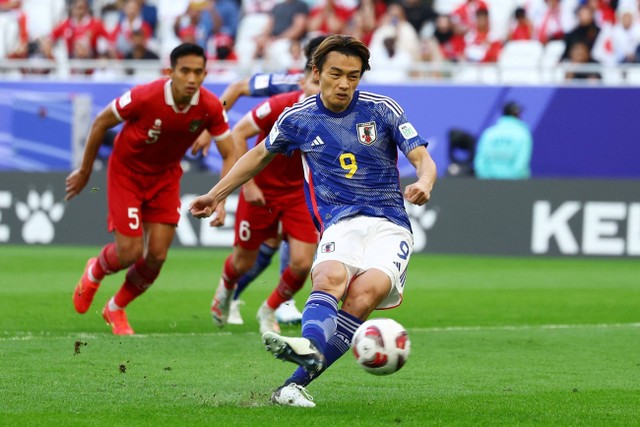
(512, 109)
(186, 49)
(312, 44)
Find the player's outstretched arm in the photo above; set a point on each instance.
(419, 192)
(243, 130)
(245, 168)
(228, 153)
(78, 179)
(229, 156)
(233, 92)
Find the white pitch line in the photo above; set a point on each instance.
(27, 336)
(526, 327)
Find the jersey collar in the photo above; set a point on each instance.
(168, 98)
(346, 112)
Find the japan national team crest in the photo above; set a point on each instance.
(194, 125)
(367, 132)
(328, 247)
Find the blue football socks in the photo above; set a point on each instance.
(284, 255)
(319, 318)
(337, 345)
(263, 261)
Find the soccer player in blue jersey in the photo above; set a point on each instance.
(349, 142)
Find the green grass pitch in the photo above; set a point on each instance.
(495, 341)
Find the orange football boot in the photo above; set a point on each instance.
(117, 319)
(85, 289)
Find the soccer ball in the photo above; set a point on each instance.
(381, 346)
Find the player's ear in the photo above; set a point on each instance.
(316, 73)
(167, 71)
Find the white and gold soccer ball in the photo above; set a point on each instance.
(381, 346)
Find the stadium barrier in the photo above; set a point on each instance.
(578, 132)
(537, 217)
(519, 68)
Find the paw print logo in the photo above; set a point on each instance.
(38, 214)
(422, 220)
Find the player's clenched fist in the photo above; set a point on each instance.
(417, 194)
(203, 206)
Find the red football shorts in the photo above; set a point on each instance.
(135, 198)
(255, 224)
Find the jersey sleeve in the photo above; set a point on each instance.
(273, 84)
(265, 114)
(281, 139)
(219, 126)
(128, 105)
(403, 133)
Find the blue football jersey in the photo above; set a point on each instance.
(274, 84)
(349, 158)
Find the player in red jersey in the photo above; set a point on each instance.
(162, 120)
(263, 85)
(272, 198)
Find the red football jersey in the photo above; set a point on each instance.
(284, 173)
(156, 134)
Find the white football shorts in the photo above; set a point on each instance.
(362, 243)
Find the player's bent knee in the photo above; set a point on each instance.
(129, 255)
(358, 308)
(241, 264)
(325, 275)
(300, 269)
(156, 260)
(363, 299)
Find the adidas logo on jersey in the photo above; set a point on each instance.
(317, 141)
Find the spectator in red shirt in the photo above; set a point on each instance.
(80, 24)
(521, 27)
(366, 19)
(464, 16)
(328, 17)
(220, 46)
(480, 46)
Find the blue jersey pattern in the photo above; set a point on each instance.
(349, 158)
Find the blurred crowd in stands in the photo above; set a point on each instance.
(399, 33)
